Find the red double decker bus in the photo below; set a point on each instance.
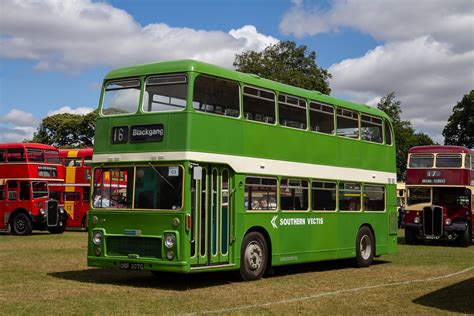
(76, 195)
(439, 194)
(26, 170)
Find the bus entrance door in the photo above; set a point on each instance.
(211, 216)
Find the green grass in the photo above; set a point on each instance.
(47, 274)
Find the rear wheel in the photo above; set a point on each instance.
(253, 256)
(365, 247)
(21, 224)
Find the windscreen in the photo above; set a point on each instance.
(121, 97)
(40, 189)
(419, 195)
(141, 187)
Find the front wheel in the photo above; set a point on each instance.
(410, 237)
(466, 238)
(21, 225)
(365, 247)
(253, 256)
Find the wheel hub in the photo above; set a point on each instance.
(365, 247)
(254, 255)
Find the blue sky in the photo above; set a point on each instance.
(54, 54)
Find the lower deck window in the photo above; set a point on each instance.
(323, 196)
(294, 195)
(349, 196)
(72, 196)
(374, 198)
(260, 193)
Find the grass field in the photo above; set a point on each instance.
(47, 274)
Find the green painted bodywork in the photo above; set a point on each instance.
(189, 130)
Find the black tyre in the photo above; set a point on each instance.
(21, 224)
(85, 223)
(365, 247)
(253, 256)
(466, 238)
(410, 237)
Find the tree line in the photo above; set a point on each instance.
(294, 65)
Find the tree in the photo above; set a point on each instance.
(460, 127)
(405, 136)
(67, 130)
(286, 63)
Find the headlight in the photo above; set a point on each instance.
(448, 221)
(97, 251)
(170, 241)
(42, 212)
(416, 220)
(97, 238)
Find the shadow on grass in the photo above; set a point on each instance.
(455, 298)
(33, 234)
(183, 282)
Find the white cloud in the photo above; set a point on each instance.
(19, 118)
(388, 20)
(73, 35)
(15, 134)
(67, 109)
(427, 57)
(427, 76)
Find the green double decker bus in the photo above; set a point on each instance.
(201, 168)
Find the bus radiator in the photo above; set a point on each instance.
(52, 208)
(433, 221)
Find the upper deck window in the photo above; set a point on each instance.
(292, 111)
(448, 161)
(16, 155)
(2, 155)
(52, 156)
(347, 123)
(467, 162)
(388, 133)
(321, 118)
(72, 162)
(216, 96)
(165, 93)
(259, 105)
(121, 97)
(34, 155)
(371, 128)
(421, 161)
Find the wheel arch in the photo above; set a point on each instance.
(266, 235)
(18, 211)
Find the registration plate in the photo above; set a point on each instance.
(131, 266)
